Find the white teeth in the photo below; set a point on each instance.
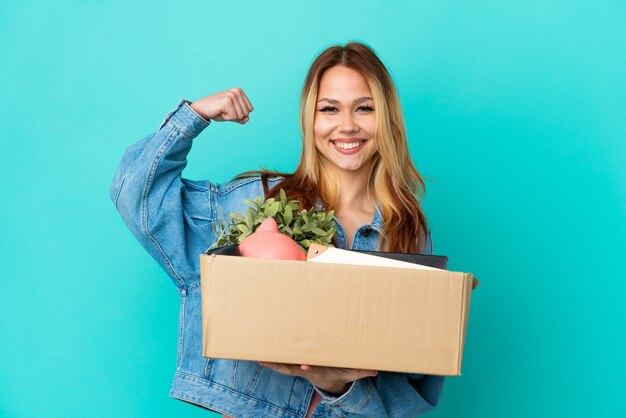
(348, 146)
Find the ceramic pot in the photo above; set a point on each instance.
(268, 242)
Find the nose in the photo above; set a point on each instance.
(348, 124)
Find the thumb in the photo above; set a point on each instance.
(242, 121)
(370, 373)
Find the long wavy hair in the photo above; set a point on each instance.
(394, 182)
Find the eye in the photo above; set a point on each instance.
(328, 109)
(365, 108)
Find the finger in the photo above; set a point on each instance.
(359, 374)
(248, 104)
(268, 363)
(243, 102)
(242, 121)
(345, 373)
(370, 373)
(231, 108)
(287, 369)
(234, 101)
(356, 371)
(283, 368)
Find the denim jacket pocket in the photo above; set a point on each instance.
(253, 380)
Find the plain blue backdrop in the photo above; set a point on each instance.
(515, 112)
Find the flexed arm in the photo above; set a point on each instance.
(170, 216)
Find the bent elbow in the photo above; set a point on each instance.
(127, 202)
(115, 188)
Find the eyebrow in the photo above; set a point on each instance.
(333, 101)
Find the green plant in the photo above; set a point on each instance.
(304, 227)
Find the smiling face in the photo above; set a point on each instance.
(345, 120)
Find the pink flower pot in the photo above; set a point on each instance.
(268, 242)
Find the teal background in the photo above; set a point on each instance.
(515, 111)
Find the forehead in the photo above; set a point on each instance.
(342, 82)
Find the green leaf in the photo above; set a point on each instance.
(283, 197)
(288, 216)
(318, 231)
(236, 217)
(273, 209)
(249, 219)
(250, 202)
(243, 228)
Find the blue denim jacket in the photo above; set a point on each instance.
(172, 217)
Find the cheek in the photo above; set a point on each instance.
(369, 125)
(318, 143)
(322, 127)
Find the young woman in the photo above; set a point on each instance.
(355, 160)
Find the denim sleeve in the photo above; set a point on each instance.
(397, 395)
(170, 216)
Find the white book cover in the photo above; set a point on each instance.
(322, 254)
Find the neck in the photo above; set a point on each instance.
(353, 191)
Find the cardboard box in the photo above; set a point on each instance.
(377, 318)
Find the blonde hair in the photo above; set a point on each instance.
(394, 182)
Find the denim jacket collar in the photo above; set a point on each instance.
(377, 222)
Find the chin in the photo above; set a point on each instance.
(350, 167)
